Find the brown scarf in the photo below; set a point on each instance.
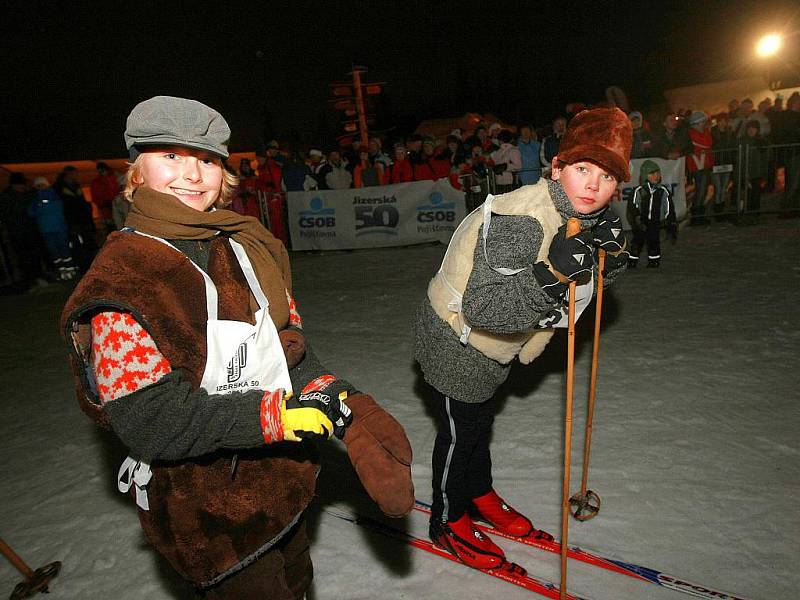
(164, 216)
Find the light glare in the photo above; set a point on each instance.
(768, 45)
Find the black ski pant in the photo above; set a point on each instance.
(649, 235)
(754, 195)
(462, 464)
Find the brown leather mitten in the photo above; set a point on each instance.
(294, 346)
(381, 454)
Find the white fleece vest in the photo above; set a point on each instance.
(446, 289)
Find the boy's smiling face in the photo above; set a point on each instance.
(193, 176)
(588, 186)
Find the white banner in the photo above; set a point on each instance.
(374, 217)
(673, 176)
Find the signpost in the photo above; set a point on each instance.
(349, 98)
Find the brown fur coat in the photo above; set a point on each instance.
(204, 522)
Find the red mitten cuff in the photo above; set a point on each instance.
(271, 424)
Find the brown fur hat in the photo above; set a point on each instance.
(602, 136)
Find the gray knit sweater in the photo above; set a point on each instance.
(492, 302)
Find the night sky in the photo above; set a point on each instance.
(73, 71)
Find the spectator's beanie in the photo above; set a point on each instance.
(170, 121)
(698, 119)
(647, 167)
(602, 136)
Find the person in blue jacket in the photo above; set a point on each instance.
(529, 148)
(47, 209)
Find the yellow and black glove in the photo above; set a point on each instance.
(318, 411)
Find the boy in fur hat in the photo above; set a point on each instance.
(497, 296)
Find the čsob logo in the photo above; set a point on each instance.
(317, 215)
(436, 210)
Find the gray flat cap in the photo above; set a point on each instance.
(170, 121)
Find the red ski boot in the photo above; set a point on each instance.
(493, 508)
(469, 545)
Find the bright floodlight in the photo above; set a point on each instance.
(768, 45)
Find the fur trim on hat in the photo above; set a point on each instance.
(602, 136)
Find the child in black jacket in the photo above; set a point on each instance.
(650, 206)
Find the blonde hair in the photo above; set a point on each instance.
(134, 172)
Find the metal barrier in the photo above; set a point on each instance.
(745, 181)
(476, 189)
(749, 180)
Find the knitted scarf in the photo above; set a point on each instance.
(164, 216)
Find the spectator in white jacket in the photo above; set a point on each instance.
(507, 159)
(334, 174)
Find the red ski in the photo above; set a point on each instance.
(624, 568)
(510, 572)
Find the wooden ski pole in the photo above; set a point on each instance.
(586, 503)
(35, 581)
(573, 227)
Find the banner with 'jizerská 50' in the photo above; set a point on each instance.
(374, 217)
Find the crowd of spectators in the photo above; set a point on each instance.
(765, 137)
(419, 157)
(50, 231)
(66, 229)
(521, 154)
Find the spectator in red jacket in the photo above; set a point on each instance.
(245, 200)
(456, 157)
(269, 171)
(431, 165)
(700, 163)
(104, 188)
(401, 171)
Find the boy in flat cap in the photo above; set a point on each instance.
(496, 298)
(185, 341)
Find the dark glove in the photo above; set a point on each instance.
(548, 281)
(571, 257)
(615, 262)
(608, 234)
(381, 455)
(499, 168)
(318, 410)
(672, 230)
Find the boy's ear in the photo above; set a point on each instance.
(556, 170)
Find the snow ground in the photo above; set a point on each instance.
(695, 450)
